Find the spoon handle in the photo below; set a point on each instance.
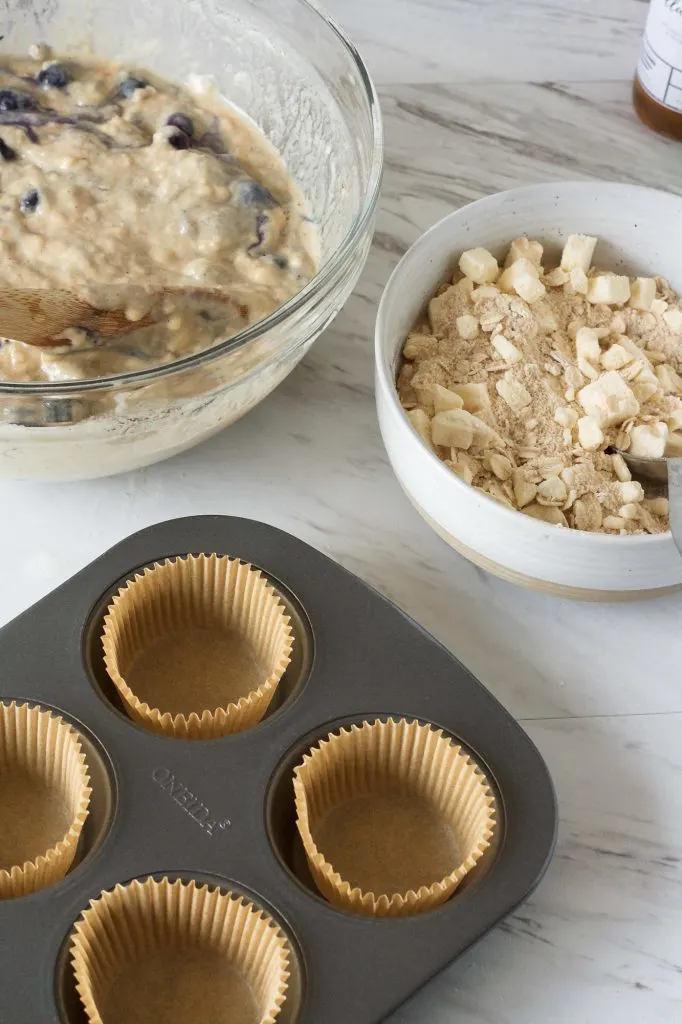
(675, 499)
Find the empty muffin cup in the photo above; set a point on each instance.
(180, 953)
(44, 798)
(196, 646)
(392, 816)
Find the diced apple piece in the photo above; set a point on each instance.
(608, 400)
(608, 289)
(479, 265)
(578, 253)
(642, 293)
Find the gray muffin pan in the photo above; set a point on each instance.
(222, 811)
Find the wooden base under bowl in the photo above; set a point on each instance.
(520, 579)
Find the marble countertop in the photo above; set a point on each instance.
(477, 96)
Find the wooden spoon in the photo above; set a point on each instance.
(37, 316)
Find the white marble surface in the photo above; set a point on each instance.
(598, 687)
(494, 40)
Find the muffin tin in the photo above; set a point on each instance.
(222, 811)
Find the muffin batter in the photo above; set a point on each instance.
(116, 185)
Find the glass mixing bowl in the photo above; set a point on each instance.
(293, 71)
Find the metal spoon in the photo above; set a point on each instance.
(663, 470)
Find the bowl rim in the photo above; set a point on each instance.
(282, 312)
(388, 384)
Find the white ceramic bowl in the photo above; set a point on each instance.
(639, 231)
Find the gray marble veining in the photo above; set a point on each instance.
(498, 40)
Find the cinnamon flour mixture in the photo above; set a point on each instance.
(523, 380)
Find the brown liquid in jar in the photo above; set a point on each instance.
(654, 115)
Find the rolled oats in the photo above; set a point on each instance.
(552, 491)
(453, 428)
(621, 468)
(505, 348)
(514, 393)
(524, 488)
(498, 464)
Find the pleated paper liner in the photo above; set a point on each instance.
(392, 816)
(180, 953)
(44, 798)
(196, 646)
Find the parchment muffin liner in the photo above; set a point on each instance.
(393, 756)
(124, 924)
(206, 592)
(40, 745)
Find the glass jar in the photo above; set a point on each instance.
(658, 81)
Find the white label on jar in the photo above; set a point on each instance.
(660, 60)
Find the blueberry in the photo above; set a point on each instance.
(178, 140)
(6, 152)
(10, 99)
(29, 202)
(182, 122)
(54, 76)
(281, 262)
(252, 193)
(129, 85)
(261, 233)
(212, 141)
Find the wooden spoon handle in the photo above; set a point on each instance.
(38, 317)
